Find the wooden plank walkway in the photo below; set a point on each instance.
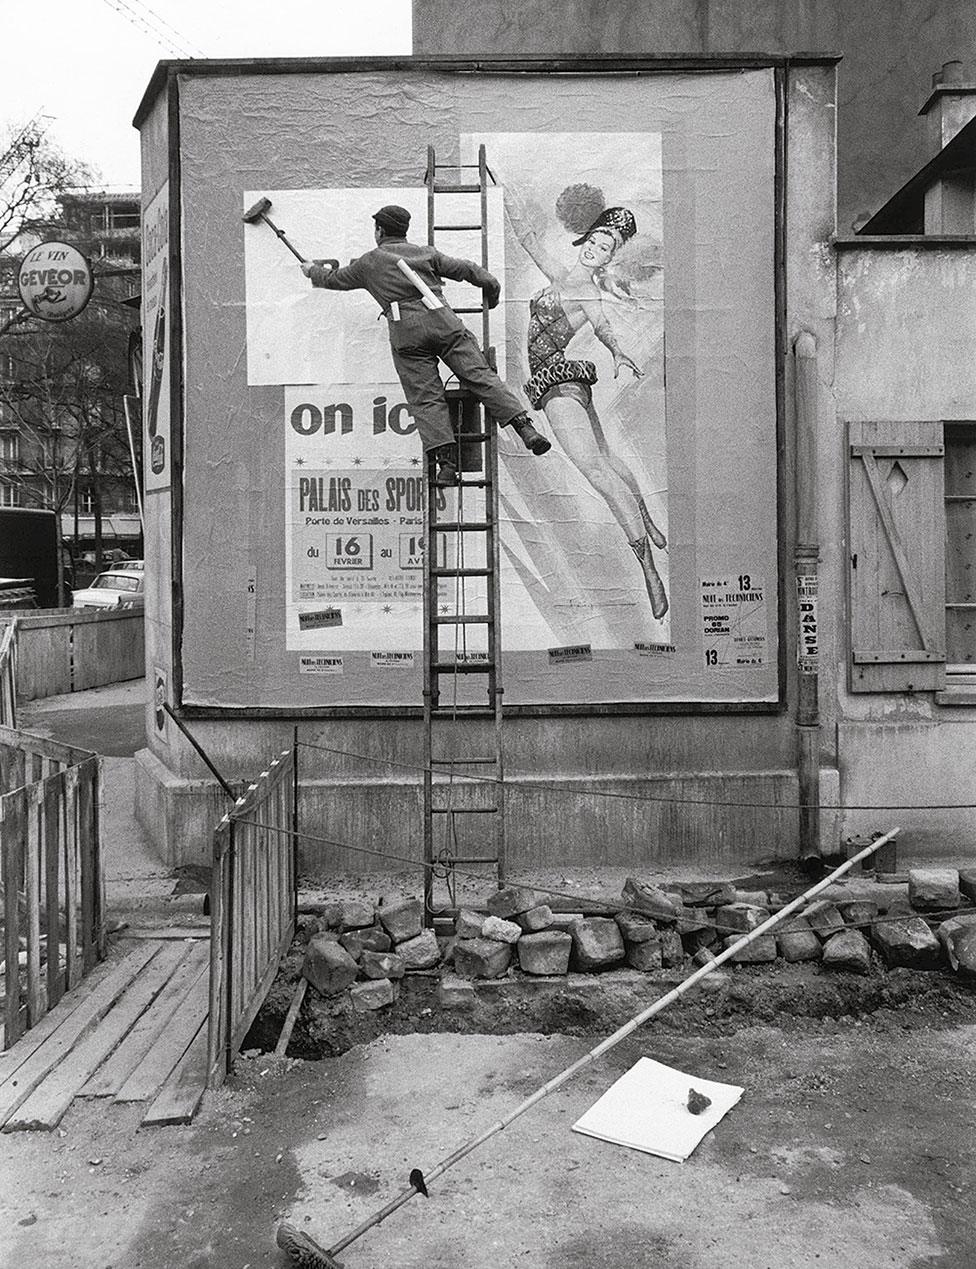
(134, 1030)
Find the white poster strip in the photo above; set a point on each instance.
(734, 621)
(156, 342)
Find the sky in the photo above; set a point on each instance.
(85, 64)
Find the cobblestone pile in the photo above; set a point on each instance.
(364, 950)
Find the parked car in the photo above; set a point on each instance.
(129, 566)
(116, 589)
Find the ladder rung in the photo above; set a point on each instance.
(460, 572)
(475, 859)
(466, 188)
(458, 620)
(463, 762)
(447, 713)
(462, 667)
(460, 526)
(479, 309)
(464, 810)
(469, 484)
(458, 229)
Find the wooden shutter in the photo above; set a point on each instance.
(897, 557)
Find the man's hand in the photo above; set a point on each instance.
(327, 266)
(306, 268)
(492, 295)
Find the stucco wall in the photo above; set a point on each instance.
(714, 787)
(906, 329)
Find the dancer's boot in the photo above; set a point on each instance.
(653, 532)
(655, 587)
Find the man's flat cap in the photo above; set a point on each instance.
(393, 219)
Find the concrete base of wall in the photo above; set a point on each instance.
(705, 821)
(909, 765)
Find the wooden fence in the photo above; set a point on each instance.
(53, 884)
(8, 676)
(253, 901)
(70, 649)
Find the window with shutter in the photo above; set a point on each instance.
(897, 556)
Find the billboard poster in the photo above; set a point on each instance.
(586, 533)
(632, 229)
(156, 342)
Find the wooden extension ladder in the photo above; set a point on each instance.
(464, 822)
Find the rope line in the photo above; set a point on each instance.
(551, 787)
(942, 914)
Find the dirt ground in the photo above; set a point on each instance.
(853, 1145)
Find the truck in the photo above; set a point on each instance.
(29, 545)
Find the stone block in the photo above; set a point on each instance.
(707, 894)
(636, 928)
(672, 949)
(797, 942)
(967, 883)
(382, 965)
(327, 966)
(469, 924)
(454, 992)
(538, 918)
(566, 921)
(757, 898)
(933, 889)
(375, 994)
(958, 939)
(848, 950)
(481, 958)
(824, 918)
(403, 920)
(500, 930)
(644, 956)
(859, 914)
(597, 942)
(545, 952)
(510, 901)
(370, 939)
(355, 914)
(650, 900)
(739, 918)
(760, 951)
(907, 942)
(420, 952)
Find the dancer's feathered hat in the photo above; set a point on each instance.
(617, 220)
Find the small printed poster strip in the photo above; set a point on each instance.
(655, 649)
(734, 617)
(392, 660)
(313, 664)
(807, 639)
(572, 652)
(318, 620)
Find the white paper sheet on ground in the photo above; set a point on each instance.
(647, 1109)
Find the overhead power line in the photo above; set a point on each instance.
(155, 32)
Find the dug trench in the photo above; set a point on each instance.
(803, 997)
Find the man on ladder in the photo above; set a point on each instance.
(405, 279)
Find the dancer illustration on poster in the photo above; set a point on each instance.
(573, 298)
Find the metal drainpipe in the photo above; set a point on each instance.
(806, 555)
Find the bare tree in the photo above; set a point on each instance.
(33, 172)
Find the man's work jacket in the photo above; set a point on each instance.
(377, 273)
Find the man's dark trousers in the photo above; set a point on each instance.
(418, 340)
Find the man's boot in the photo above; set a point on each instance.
(531, 439)
(447, 470)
